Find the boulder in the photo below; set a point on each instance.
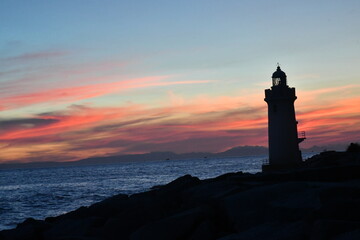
(262, 204)
(71, 228)
(349, 235)
(178, 226)
(270, 231)
(28, 230)
(328, 229)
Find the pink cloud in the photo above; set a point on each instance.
(89, 128)
(182, 125)
(70, 94)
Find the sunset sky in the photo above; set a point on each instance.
(83, 78)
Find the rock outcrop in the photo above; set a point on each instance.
(319, 201)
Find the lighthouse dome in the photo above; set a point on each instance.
(279, 74)
(279, 77)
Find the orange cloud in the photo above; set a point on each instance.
(90, 128)
(201, 123)
(331, 123)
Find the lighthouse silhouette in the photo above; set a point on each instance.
(284, 142)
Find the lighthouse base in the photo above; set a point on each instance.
(280, 167)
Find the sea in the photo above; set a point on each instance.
(43, 192)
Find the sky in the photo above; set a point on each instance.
(84, 78)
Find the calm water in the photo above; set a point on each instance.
(44, 192)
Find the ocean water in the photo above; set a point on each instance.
(44, 192)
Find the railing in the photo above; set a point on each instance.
(302, 136)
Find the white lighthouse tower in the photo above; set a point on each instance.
(282, 125)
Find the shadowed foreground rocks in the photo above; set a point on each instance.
(319, 201)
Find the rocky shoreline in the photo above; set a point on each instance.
(321, 200)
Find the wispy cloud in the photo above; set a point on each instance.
(41, 55)
(346, 91)
(25, 123)
(70, 94)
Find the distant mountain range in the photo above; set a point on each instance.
(153, 156)
(334, 147)
(240, 151)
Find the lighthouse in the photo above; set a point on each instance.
(282, 125)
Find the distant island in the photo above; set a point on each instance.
(240, 151)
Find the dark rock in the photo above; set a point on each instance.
(113, 229)
(353, 147)
(278, 202)
(178, 226)
(341, 203)
(180, 184)
(204, 231)
(227, 176)
(29, 229)
(109, 207)
(327, 229)
(332, 158)
(70, 228)
(349, 235)
(204, 193)
(271, 231)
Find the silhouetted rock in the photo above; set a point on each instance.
(178, 226)
(332, 158)
(321, 200)
(270, 231)
(353, 147)
(29, 229)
